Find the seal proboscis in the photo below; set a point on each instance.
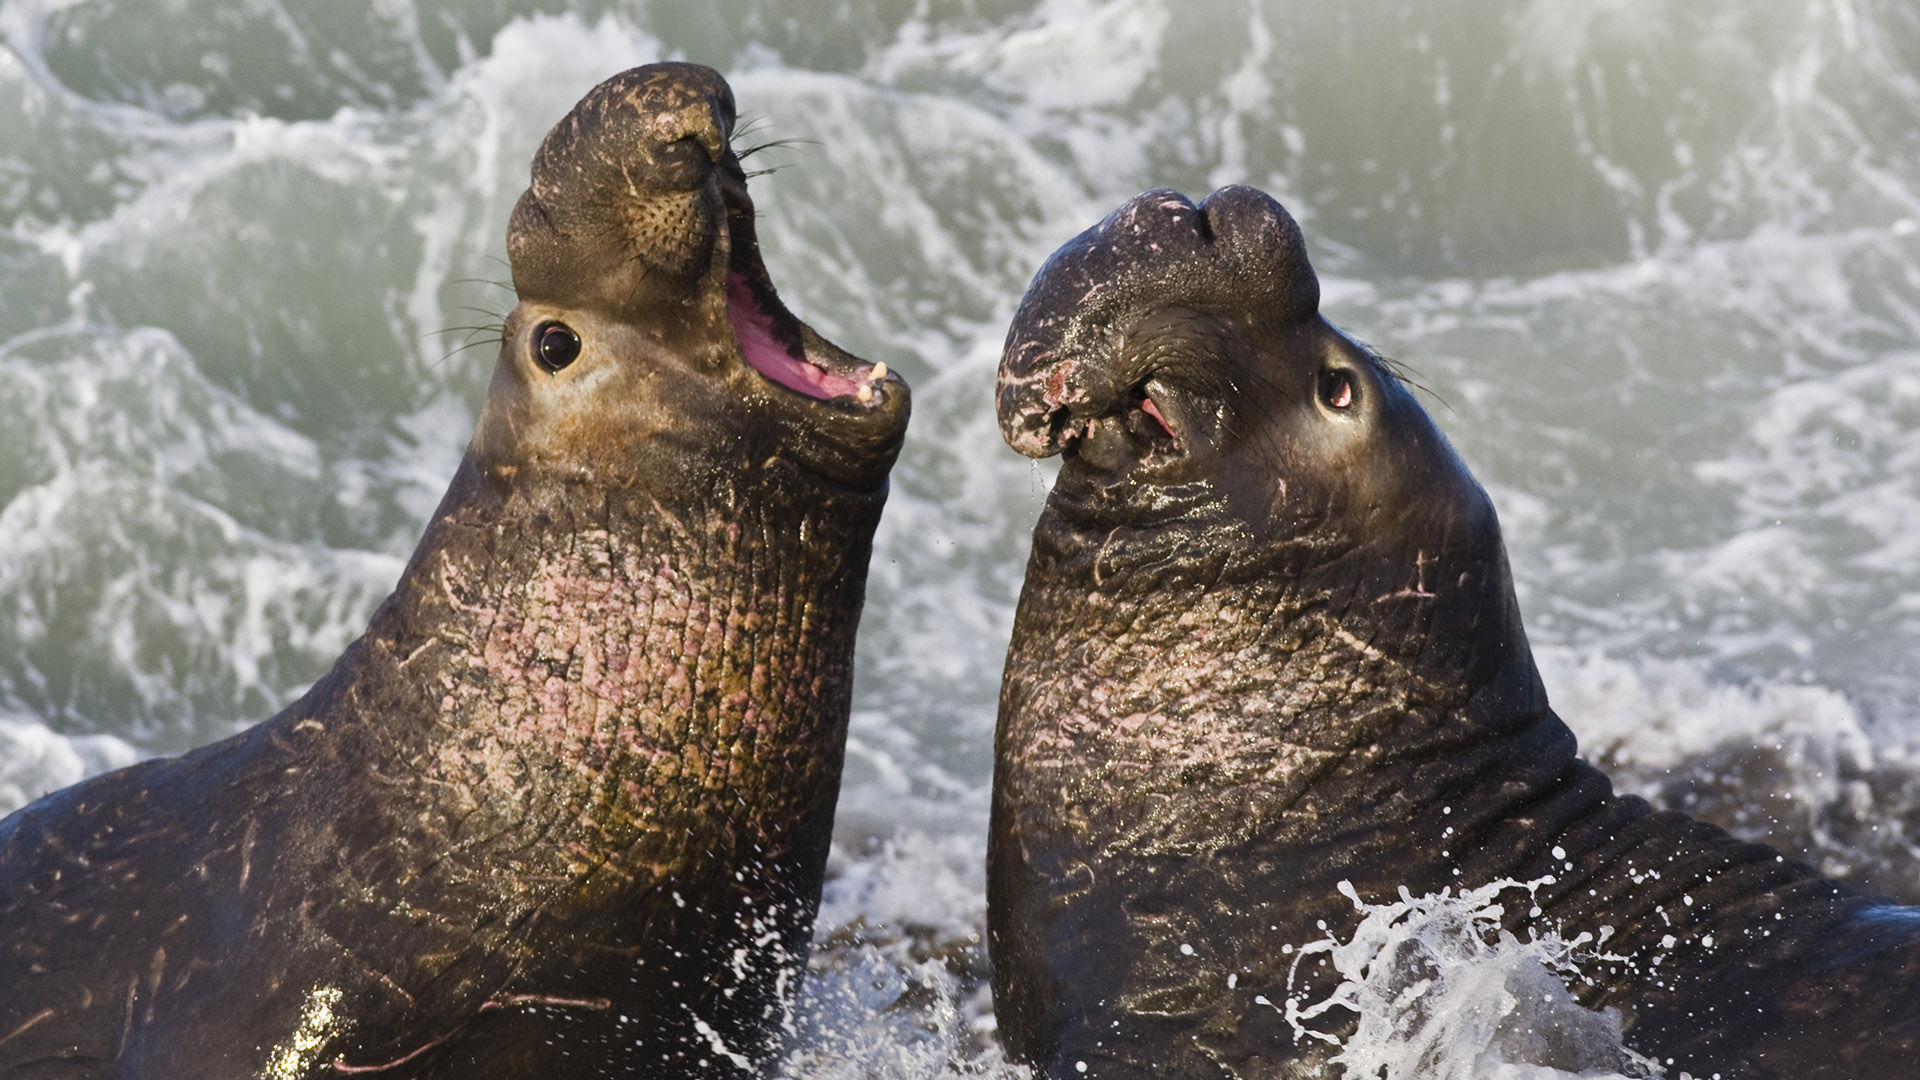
(1268, 644)
(564, 809)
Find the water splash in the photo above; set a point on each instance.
(897, 983)
(1661, 262)
(1443, 992)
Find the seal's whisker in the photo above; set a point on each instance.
(639, 279)
(496, 328)
(747, 124)
(483, 281)
(771, 144)
(478, 334)
(1258, 381)
(1399, 370)
(463, 346)
(458, 349)
(1409, 376)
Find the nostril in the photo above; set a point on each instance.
(1203, 224)
(683, 164)
(705, 123)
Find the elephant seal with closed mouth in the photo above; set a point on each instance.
(1268, 644)
(563, 810)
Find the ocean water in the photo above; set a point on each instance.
(1656, 265)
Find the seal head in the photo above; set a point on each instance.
(642, 291)
(1216, 424)
(567, 802)
(1268, 647)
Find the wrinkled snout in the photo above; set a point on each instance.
(623, 190)
(661, 128)
(1238, 253)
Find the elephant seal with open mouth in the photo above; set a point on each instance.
(1268, 644)
(564, 809)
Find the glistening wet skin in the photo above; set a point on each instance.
(569, 797)
(1268, 675)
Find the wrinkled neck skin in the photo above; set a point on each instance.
(630, 694)
(1202, 734)
(1189, 686)
(637, 675)
(1198, 657)
(565, 806)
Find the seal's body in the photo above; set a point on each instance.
(564, 808)
(1268, 643)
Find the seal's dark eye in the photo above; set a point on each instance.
(555, 344)
(1336, 389)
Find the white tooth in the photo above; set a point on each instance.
(863, 394)
(879, 372)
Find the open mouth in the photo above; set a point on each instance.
(772, 341)
(783, 358)
(1165, 432)
(1135, 429)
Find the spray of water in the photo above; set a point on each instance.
(1443, 992)
(1661, 263)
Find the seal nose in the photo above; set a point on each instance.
(660, 129)
(1265, 250)
(685, 112)
(679, 118)
(623, 201)
(1238, 253)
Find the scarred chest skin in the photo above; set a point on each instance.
(564, 808)
(1267, 644)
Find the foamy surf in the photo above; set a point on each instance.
(897, 984)
(1441, 991)
(1797, 765)
(35, 759)
(1658, 262)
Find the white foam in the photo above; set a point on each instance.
(1661, 259)
(1443, 992)
(118, 545)
(897, 986)
(906, 876)
(35, 759)
(1655, 715)
(1796, 765)
(875, 1016)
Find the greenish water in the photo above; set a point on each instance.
(1659, 265)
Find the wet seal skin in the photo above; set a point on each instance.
(1268, 643)
(564, 809)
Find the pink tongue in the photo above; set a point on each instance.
(754, 329)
